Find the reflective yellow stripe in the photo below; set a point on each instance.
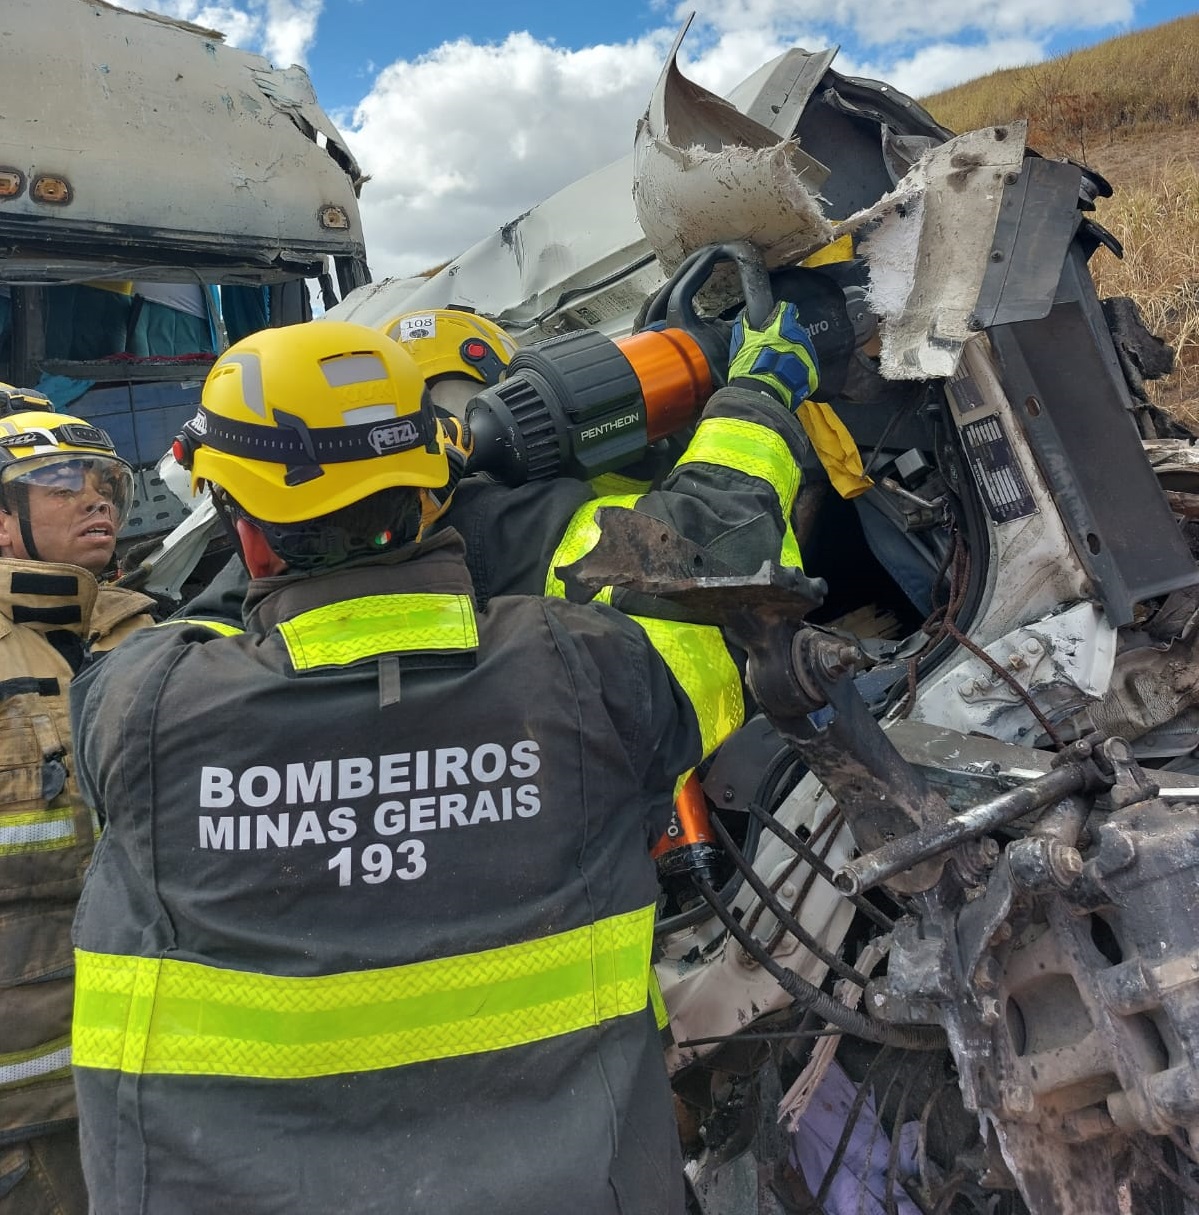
(610, 483)
(37, 831)
(580, 538)
(699, 659)
(789, 553)
(217, 626)
(661, 1016)
(339, 634)
(165, 1017)
(51, 1059)
(756, 451)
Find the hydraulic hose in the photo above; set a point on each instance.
(767, 792)
(849, 1020)
(817, 863)
(780, 913)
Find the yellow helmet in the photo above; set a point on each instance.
(20, 400)
(54, 450)
(448, 341)
(300, 421)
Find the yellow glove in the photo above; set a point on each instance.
(459, 445)
(835, 448)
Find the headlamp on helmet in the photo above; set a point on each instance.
(22, 400)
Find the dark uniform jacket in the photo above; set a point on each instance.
(369, 926)
(51, 618)
(732, 491)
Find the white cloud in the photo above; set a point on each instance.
(468, 136)
(282, 30)
(895, 22)
(240, 27)
(289, 28)
(944, 64)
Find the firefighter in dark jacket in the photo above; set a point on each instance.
(64, 494)
(732, 489)
(369, 926)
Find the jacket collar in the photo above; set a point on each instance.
(46, 596)
(435, 566)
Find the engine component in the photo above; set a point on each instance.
(1063, 662)
(1074, 775)
(1068, 983)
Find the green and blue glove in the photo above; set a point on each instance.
(779, 358)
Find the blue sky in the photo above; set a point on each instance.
(355, 38)
(466, 114)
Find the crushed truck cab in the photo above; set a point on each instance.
(979, 828)
(160, 194)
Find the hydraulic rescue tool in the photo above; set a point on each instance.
(583, 404)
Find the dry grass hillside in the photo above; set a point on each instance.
(1129, 108)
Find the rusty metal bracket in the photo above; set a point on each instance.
(801, 677)
(636, 552)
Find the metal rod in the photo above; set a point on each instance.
(866, 872)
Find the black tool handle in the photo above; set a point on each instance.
(697, 269)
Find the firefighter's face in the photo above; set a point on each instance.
(73, 522)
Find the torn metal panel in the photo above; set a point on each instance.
(928, 244)
(1039, 568)
(1036, 223)
(167, 146)
(703, 172)
(578, 259)
(1077, 421)
(1062, 663)
(776, 95)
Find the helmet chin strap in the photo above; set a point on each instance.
(10, 502)
(27, 537)
(7, 505)
(228, 518)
